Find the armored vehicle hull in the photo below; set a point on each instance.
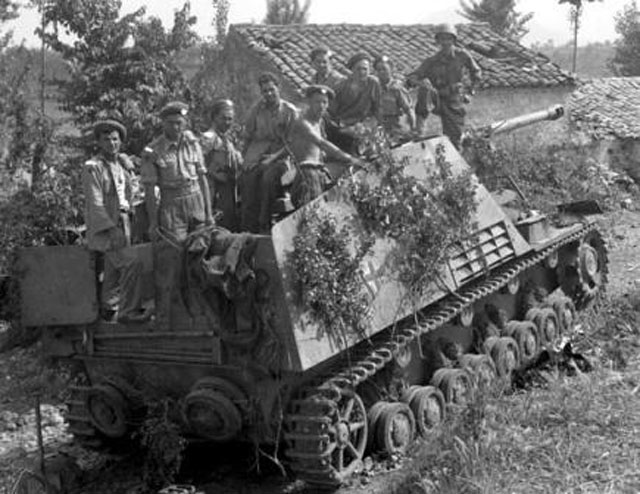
(243, 358)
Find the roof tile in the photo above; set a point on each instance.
(504, 62)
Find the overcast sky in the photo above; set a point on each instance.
(550, 21)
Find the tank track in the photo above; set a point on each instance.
(309, 418)
(78, 420)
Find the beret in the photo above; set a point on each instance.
(108, 125)
(318, 89)
(320, 50)
(174, 108)
(357, 58)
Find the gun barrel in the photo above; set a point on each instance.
(509, 124)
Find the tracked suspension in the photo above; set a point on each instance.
(327, 422)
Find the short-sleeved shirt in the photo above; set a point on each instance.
(355, 102)
(332, 79)
(446, 71)
(394, 102)
(266, 130)
(220, 154)
(172, 164)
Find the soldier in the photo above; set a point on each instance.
(266, 129)
(308, 144)
(174, 164)
(445, 72)
(107, 187)
(325, 74)
(358, 96)
(394, 98)
(223, 163)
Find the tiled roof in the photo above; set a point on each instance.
(608, 107)
(504, 62)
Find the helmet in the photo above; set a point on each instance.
(446, 29)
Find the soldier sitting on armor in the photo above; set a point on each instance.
(266, 129)
(307, 144)
(394, 99)
(356, 105)
(445, 73)
(325, 75)
(106, 178)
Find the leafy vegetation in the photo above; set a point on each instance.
(287, 12)
(501, 15)
(626, 61)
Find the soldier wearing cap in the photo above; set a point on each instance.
(106, 179)
(358, 96)
(308, 145)
(394, 98)
(325, 75)
(445, 72)
(266, 129)
(174, 164)
(223, 163)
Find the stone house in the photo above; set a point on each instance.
(516, 79)
(605, 114)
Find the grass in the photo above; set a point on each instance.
(577, 434)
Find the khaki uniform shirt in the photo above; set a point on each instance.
(172, 165)
(222, 159)
(394, 102)
(354, 103)
(446, 72)
(266, 129)
(107, 190)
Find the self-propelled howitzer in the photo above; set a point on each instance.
(249, 354)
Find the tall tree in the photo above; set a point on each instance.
(501, 15)
(287, 12)
(110, 78)
(626, 60)
(575, 17)
(221, 19)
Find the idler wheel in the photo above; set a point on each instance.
(505, 355)
(212, 415)
(481, 368)
(108, 410)
(526, 335)
(348, 436)
(428, 406)
(394, 427)
(546, 322)
(565, 309)
(455, 384)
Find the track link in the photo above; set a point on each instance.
(312, 431)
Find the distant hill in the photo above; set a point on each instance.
(591, 61)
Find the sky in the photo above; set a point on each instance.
(550, 20)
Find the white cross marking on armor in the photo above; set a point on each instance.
(371, 279)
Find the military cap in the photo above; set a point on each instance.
(108, 125)
(381, 59)
(174, 108)
(446, 29)
(318, 89)
(357, 58)
(320, 50)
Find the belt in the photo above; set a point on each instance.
(313, 165)
(180, 190)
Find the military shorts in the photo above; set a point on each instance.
(181, 211)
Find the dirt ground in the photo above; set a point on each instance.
(23, 376)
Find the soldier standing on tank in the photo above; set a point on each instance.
(308, 146)
(445, 72)
(223, 163)
(266, 129)
(394, 98)
(173, 164)
(324, 75)
(106, 179)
